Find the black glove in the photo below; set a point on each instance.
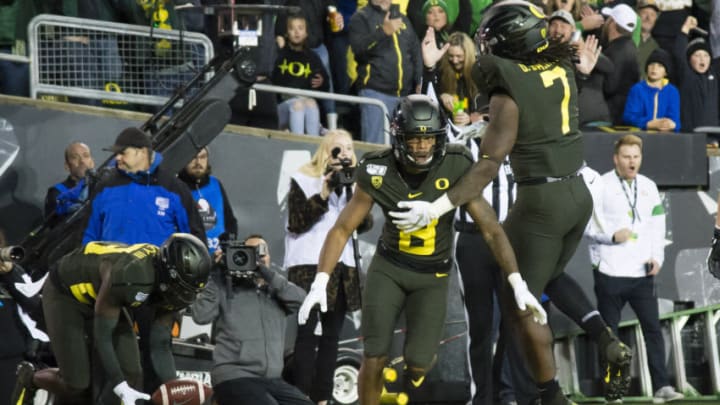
(714, 256)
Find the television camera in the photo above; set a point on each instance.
(343, 177)
(240, 260)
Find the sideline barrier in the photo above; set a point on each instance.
(691, 343)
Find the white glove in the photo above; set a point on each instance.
(420, 213)
(474, 130)
(127, 395)
(317, 295)
(525, 299)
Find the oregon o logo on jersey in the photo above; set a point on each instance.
(442, 183)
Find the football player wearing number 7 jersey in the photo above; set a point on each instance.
(533, 118)
(410, 269)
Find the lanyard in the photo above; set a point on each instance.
(633, 204)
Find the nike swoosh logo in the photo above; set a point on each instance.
(441, 275)
(413, 195)
(418, 382)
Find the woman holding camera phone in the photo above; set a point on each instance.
(318, 192)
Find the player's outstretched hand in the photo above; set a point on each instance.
(128, 395)
(316, 296)
(525, 299)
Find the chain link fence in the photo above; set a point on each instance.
(112, 62)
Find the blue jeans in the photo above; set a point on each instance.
(371, 117)
(300, 114)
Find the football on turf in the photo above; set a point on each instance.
(186, 392)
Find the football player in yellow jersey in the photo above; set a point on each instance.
(85, 300)
(409, 270)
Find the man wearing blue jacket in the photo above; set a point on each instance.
(138, 202)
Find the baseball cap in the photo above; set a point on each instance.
(624, 16)
(563, 15)
(130, 137)
(648, 3)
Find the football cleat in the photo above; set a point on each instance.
(24, 391)
(615, 358)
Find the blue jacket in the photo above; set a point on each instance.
(144, 207)
(645, 103)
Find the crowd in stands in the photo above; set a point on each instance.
(372, 49)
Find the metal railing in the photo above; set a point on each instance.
(705, 322)
(119, 63)
(330, 96)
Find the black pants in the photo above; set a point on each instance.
(315, 356)
(612, 295)
(480, 278)
(258, 391)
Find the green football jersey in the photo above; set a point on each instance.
(548, 143)
(133, 272)
(428, 249)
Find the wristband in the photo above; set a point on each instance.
(442, 205)
(515, 280)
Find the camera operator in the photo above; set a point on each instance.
(249, 303)
(319, 190)
(18, 328)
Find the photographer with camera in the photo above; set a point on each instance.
(249, 304)
(319, 190)
(18, 328)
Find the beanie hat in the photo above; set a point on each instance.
(695, 45)
(430, 3)
(662, 57)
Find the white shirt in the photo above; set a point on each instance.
(636, 206)
(304, 248)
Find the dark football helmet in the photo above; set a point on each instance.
(513, 29)
(418, 115)
(184, 269)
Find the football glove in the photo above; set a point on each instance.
(316, 295)
(525, 299)
(128, 395)
(420, 213)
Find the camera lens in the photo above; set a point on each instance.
(240, 258)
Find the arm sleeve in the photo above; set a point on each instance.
(288, 294)
(658, 226)
(189, 219)
(634, 114)
(363, 37)
(93, 227)
(231, 225)
(206, 307)
(51, 201)
(682, 65)
(673, 111)
(597, 229)
(103, 328)
(464, 17)
(319, 68)
(163, 361)
(304, 212)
